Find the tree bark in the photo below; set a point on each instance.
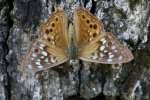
(128, 19)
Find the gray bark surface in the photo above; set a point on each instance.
(129, 20)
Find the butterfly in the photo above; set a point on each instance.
(58, 41)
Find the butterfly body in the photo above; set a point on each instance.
(85, 39)
(73, 49)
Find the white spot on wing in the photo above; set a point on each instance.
(120, 57)
(40, 66)
(94, 56)
(53, 42)
(37, 63)
(52, 37)
(41, 48)
(46, 60)
(109, 53)
(101, 55)
(53, 60)
(105, 51)
(42, 57)
(103, 40)
(30, 66)
(113, 47)
(44, 53)
(42, 45)
(109, 60)
(102, 48)
(111, 56)
(34, 55)
(90, 39)
(115, 50)
(32, 58)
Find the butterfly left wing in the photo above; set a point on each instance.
(94, 45)
(41, 57)
(50, 49)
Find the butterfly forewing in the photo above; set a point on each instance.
(87, 28)
(50, 49)
(54, 31)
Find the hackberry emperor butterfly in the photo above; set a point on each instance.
(89, 43)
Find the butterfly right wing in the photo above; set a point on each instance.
(50, 49)
(95, 45)
(87, 27)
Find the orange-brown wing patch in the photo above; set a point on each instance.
(54, 31)
(87, 27)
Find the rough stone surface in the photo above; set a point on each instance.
(128, 19)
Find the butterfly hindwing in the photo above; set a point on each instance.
(109, 51)
(46, 52)
(41, 57)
